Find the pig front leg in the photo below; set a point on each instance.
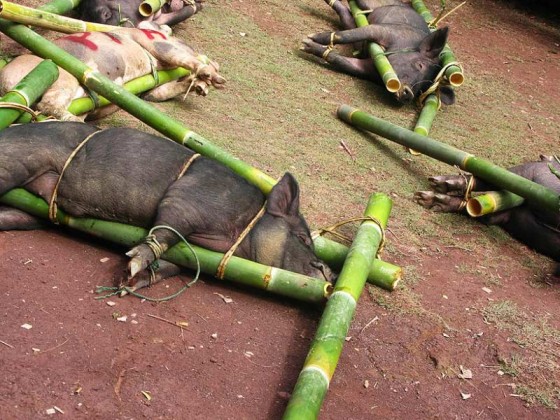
(439, 202)
(373, 33)
(147, 278)
(358, 67)
(179, 12)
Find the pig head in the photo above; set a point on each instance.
(126, 12)
(411, 48)
(131, 177)
(537, 228)
(121, 55)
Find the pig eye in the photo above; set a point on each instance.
(305, 239)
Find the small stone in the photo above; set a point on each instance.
(104, 260)
(213, 360)
(110, 303)
(27, 326)
(50, 411)
(134, 322)
(465, 373)
(501, 373)
(214, 336)
(191, 347)
(122, 318)
(465, 396)
(249, 354)
(366, 384)
(487, 290)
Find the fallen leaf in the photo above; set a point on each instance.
(226, 299)
(147, 395)
(465, 373)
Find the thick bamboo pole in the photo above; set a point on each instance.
(426, 117)
(382, 274)
(321, 361)
(492, 202)
(384, 68)
(238, 270)
(500, 177)
(149, 7)
(42, 19)
(28, 90)
(454, 73)
(137, 86)
(59, 7)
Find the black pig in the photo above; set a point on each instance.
(128, 176)
(537, 228)
(125, 12)
(411, 48)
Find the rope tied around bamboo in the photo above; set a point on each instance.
(20, 107)
(469, 181)
(332, 230)
(439, 80)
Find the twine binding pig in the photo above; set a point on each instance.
(122, 55)
(411, 48)
(131, 177)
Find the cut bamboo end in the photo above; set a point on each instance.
(456, 79)
(492, 202)
(392, 82)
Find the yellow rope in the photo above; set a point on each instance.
(186, 165)
(439, 79)
(24, 108)
(53, 208)
(468, 190)
(332, 229)
(227, 256)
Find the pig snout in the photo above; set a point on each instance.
(322, 271)
(405, 95)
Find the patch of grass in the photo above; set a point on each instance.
(538, 371)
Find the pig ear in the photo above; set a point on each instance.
(283, 200)
(432, 45)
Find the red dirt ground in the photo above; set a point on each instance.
(241, 359)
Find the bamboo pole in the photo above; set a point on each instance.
(454, 73)
(149, 7)
(137, 86)
(238, 270)
(28, 90)
(492, 202)
(47, 20)
(382, 274)
(538, 194)
(426, 117)
(323, 356)
(60, 7)
(384, 68)
(134, 105)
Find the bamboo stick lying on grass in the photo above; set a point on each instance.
(321, 361)
(454, 73)
(137, 86)
(149, 7)
(238, 270)
(492, 202)
(384, 68)
(59, 7)
(137, 107)
(47, 20)
(538, 194)
(28, 90)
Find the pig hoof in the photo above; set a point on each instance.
(438, 202)
(141, 256)
(449, 184)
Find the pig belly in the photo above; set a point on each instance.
(122, 181)
(116, 57)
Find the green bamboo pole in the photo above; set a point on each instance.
(454, 73)
(28, 90)
(238, 270)
(388, 75)
(42, 19)
(382, 274)
(134, 105)
(321, 361)
(492, 202)
(149, 7)
(502, 178)
(137, 86)
(426, 117)
(60, 7)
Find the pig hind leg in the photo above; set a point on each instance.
(343, 12)
(145, 278)
(439, 202)
(14, 219)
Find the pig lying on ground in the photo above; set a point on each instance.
(537, 228)
(131, 177)
(121, 55)
(125, 12)
(411, 48)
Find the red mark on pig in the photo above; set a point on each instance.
(113, 37)
(150, 33)
(83, 39)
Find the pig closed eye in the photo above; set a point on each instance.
(305, 239)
